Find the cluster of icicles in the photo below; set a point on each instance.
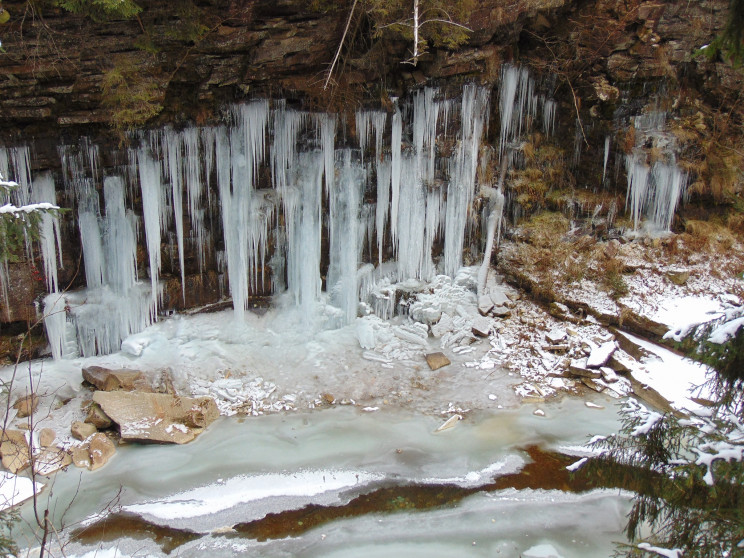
(395, 193)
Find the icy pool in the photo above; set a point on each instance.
(243, 470)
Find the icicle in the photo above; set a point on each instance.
(153, 212)
(383, 202)
(411, 222)
(670, 183)
(638, 174)
(55, 323)
(396, 145)
(287, 127)
(50, 238)
(549, 108)
(120, 242)
(606, 157)
(173, 164)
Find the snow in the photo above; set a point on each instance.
(674, 553)
(15, 489)
(677, 378)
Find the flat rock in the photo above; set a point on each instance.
(608, 375)
(621, 362)
(499, 297)
(26, 405)
(157, 417)
(437, 360)
(482, 326)
(500, 311)
(82, 430)
(629, 346)
(105, 379)
(580, 369)
(600, 355)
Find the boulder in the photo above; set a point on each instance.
(157, 417)
(26, 405)
(437, 360)
(444, 325)
(15, 451)
(98, 418)
(82, 430)
(485, 304)
(81, 457)
(105, 379)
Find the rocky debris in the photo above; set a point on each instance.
(600, 355)
(157, 417)
(556, 335)
(678, 276)
(105, 379)
(562, 312)
(82, 430)
(98, 418)
(16, 455)
(609, 375)
(25, 406)
(437, 360)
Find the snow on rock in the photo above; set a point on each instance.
(541, 551)
(600, 355)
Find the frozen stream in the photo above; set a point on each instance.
(242, 469)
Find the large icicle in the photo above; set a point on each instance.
(344, 249)
(173, 163)
(396, 145)
(153, 212)
(50, 239)
(383, 202)
(461, 188)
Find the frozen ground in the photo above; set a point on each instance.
(281, 368)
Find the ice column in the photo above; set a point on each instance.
(173, 164)
(153, 212)
(344, 249)
(461, 187)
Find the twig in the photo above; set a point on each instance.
(340, 46)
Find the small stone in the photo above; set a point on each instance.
(482, 326)
(485, 304)
(47, 437)
(26, 405)
(555, 335)
(500, 311)
(539, 412)
(437, 360)
(678, 276)
(328, 398)
(100, 450)
(51, 460)
(82, 430)
(98, 418)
